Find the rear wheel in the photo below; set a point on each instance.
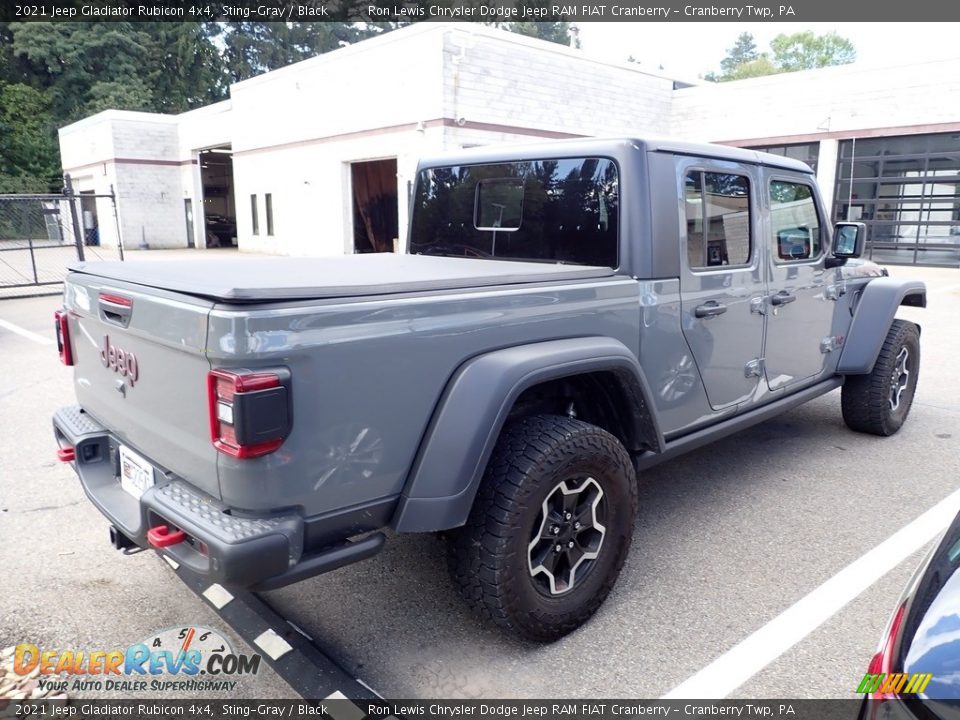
(879, 403)
(550, 528)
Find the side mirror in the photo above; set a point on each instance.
(848, 239)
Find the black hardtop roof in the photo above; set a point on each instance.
(612, 147)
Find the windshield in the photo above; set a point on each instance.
(564, 211)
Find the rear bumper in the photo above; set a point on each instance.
(226, 545)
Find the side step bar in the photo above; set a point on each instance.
(325, 561)
(699, 438)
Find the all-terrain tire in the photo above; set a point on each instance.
(491, 558)
(868, 400)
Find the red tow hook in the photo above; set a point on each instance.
(164, 536)
(66, 454)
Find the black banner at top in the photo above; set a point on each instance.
(476, 11)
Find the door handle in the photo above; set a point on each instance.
(782, 298)
(710, 309)
(116, 309)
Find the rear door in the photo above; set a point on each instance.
(721, 280)
(141, 371)
(800, 296)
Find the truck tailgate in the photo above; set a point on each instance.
(141, 371)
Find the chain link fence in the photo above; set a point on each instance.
(41, 235)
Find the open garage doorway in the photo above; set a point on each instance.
(375, 213)
(219, 207)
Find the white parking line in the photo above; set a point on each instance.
(23, 332)
(750, 656)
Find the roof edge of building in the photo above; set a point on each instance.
(114, 115)
(469, 29)
(367, 45)
(211, 109)
(846, 69)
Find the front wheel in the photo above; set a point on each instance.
(550, 528)
(879, 403)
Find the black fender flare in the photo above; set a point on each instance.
(872, 317)
(474, 406)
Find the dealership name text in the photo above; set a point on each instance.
(522, 710)
(482, 12)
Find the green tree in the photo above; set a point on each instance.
(53, 74)
(73, 59)
(14, 69)
(758, 67)
(87, 67)
(805, 51)
(73, 70)
(29, 158)
(252, 48)
(798, 51)
(184, 66)
(744, 50)
(562, 33)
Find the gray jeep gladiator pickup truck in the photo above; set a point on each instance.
(568, 315)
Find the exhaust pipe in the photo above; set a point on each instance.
(119, 540)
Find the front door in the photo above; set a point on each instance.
(721, 281)
(800, 296)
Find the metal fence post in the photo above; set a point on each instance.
(77, 230)
(116, 219)
(26, 230)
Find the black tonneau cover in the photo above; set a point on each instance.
(264, 279)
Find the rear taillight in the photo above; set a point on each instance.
(250, 413)
(63, 337)
(882, 662)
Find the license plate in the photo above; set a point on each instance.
(136, 473)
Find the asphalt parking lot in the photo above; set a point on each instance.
(728, 538)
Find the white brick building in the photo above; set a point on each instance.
(317, 158)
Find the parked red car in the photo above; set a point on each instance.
(916, 671)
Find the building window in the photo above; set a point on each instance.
(906, 189)
(268, 199)
(804, 152)
(253, 215)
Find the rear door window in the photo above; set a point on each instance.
(718, 219)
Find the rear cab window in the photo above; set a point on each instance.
(559, 211)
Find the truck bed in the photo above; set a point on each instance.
(276, 279)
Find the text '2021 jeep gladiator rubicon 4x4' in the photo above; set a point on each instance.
(568, 314)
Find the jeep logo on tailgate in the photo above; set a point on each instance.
(119, 360)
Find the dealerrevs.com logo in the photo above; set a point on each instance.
(894, 683)
(191, 658)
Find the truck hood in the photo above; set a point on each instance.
(265, 279)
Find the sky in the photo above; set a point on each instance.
(690, 50)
